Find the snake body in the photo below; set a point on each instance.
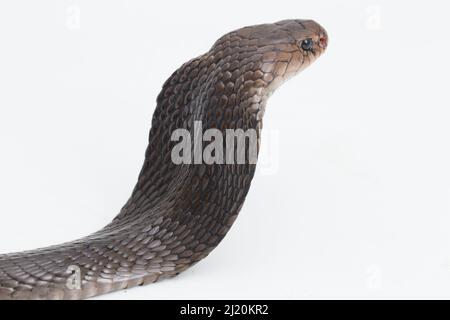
(177, 213)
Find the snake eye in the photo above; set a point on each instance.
(307, 44)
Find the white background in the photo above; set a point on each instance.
(354, 201)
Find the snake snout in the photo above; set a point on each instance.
(323, 41)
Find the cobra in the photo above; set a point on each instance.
(177, 214)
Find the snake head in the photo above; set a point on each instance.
(269, 54)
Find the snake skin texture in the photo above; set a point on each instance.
(177, 214)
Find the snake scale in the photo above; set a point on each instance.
(177, 213)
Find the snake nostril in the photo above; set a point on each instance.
(323, 41)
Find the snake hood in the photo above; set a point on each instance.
(177, 213)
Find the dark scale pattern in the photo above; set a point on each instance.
(177, 214)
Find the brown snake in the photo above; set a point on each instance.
(177, 213)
